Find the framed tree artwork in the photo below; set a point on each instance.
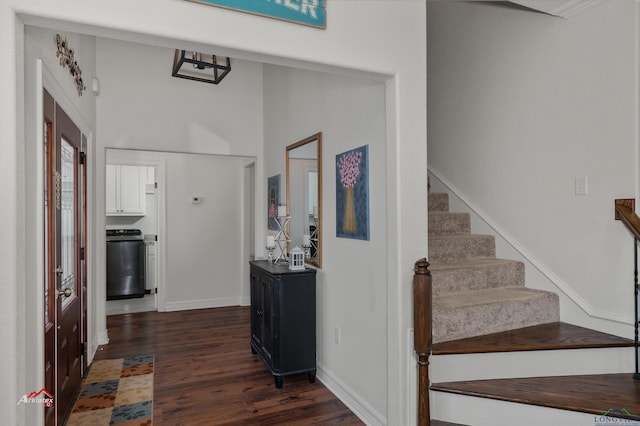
(352, 194)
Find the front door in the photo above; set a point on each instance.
(64, 267)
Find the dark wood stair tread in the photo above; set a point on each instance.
(441, 423)
(595, 394)
(555, 335)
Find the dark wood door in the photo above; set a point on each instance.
(63, 286)
(49, 276)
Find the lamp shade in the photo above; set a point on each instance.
(199, 67)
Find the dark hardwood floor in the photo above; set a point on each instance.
(205, 373)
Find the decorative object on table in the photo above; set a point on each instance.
(352, 194)
(198, 66)
(271, 246)
(296, 259)
(68, 60)
(306, 245)
(273, 191)
(311, 13)
(314, 237)
(282, 239)
(116, 391)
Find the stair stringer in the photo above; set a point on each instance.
(573, 308)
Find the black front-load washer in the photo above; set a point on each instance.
(125, 264)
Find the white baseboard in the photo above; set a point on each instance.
(95, 343)
(103, 338)
(185, 305)
(126, 306)
(351, 399)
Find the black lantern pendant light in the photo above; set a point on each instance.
(203, 67)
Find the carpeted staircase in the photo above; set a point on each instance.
(473, 292)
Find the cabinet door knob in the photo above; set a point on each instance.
(259, 312)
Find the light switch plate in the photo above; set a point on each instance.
(581, 185)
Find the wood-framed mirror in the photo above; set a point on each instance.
(304, 197)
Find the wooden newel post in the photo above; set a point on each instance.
(422, 335)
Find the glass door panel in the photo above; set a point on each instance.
(68, 221)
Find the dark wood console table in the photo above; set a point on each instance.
(283, 319)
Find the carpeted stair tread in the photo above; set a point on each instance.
(474, 293)
(468, 263)
(438, 201)
(443, 223)
(485, 297)
(476, 274)
(444, 248)
(477, 313)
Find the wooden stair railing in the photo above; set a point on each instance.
(422, 337)
(625, 212)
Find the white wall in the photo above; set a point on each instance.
(142, 107)
(520, 104)
(204, 245)
(352, 284)
(200, 246)
(352, 42)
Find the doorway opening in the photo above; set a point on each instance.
(134, 222)
(65, 287)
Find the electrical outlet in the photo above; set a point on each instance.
(336, 335)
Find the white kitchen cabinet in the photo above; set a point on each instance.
(125, 189)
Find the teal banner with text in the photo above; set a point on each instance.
(305, 12)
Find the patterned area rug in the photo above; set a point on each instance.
(116, 392)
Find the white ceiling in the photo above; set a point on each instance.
(562, 8)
